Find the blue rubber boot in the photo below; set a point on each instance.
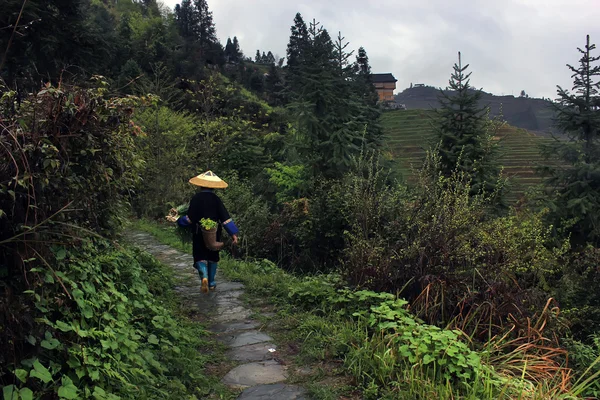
(212, 272)
(202, 271)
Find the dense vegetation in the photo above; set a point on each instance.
(488, 301)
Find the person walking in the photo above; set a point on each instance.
(205, 204)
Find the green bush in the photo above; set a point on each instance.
(168, 151)
(108, 328)
(453, 261)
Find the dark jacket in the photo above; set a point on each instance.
(206, 204)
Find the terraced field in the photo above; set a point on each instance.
(410, 132)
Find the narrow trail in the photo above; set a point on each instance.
(259, 374)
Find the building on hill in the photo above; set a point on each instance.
(385, 84)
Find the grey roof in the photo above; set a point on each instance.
(381, 78)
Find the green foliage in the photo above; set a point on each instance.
(332, 113)
(167, 148)
(449, 257)
(584, 358)
(378, 341)
(574, 184)
(577, 289)
(110, 329)
(289, 181)
(208, 224)
(464, 143)
(75, 149)
(251, 214)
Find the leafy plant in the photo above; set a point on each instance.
(208, 224)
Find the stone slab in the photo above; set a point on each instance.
(234, 326)
(226, 286)
(278, 391)
(252, 352)
(256, 373)
(238, 313)
(245, 338)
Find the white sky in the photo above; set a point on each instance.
(510, 44)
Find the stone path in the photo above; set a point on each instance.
(259, 375)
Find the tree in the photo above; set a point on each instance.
(257, 57)
(196, 27)
(270, 58)
(576, 180)
(52, 36)
(238, 55)
(187, 19)
(274, 87)
(229, 52)
(365, 89)
(320, 90)
(464, 143)
(296, 49)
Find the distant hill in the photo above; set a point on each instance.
(408, 133)
(535, 115)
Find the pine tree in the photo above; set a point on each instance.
(205, 29)
(365, 89)
(195, 24)
(257, 57)
(274, 86)
(576, 181)
(229, 51)
(464, 143)
(270, 58)
(187, 19)
(296, 49)
(322, 100)
(239, 56)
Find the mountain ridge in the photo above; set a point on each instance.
(535, 115)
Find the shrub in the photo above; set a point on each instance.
(449, 257)
(168, 153)
(107, 328)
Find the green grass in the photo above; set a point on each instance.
(410, 132)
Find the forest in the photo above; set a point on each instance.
(438, 286)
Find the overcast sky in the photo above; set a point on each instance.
(511, 45)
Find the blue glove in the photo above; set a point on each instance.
(184, 221)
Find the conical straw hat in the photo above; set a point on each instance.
(208, 180)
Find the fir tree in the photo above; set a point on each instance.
(205, 29)
(274, 86)
(365, 89)
(270, 58)
(576, 181)
(187, 19)
(257, 57)
(195, 24)
(463, 140)
(296, 49)
(321, 98)
(341, 55)
(238, 55)
(229, 51)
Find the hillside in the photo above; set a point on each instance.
(409, 133)
(526, 113)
